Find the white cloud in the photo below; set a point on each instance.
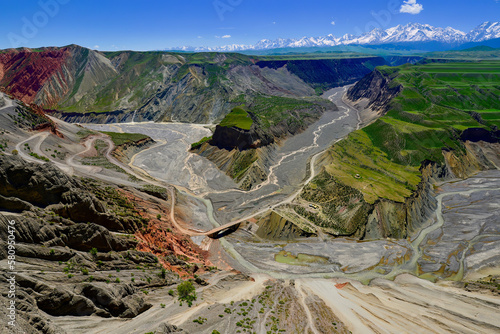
(411, 7)
(96, 47)
(275, 21)
(332, 23)
(226, 36)
(200, 37)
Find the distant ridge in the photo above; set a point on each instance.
(411, 33)
(480, 48)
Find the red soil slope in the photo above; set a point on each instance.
(23, 73)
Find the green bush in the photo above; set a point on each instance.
(186, 292)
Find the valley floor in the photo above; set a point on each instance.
(394, 286)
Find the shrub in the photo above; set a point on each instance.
(186, 292)
(85, 271)
(93, 251)
(200, 320)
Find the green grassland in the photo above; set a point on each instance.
(239, 118)
(273, 110)
(438, 102)
(473, 54)
(270, 111)
(122, 138)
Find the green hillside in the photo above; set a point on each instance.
(239, 118)
(438, 102)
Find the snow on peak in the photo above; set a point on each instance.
(411, 32)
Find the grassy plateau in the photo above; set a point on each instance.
(438, 102)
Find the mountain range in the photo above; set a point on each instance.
(411, 32)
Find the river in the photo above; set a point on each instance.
(464, 226)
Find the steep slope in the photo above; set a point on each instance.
(381, 175)
(83, 85)
(48, 76)
(243, 143)
(327, 73)
(82, 246)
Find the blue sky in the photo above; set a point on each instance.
(160, 24)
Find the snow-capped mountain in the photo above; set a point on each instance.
(412, 32)
(487, 30)
(415, 32)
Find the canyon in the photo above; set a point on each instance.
(112, 213)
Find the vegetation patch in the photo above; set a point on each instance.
(438, 102)
(200, 142)
(186, 292)
(300, 259)
(238, 118)
(123, 138)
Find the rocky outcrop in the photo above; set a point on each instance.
(33, 183)
(23, 185)
(275, 227)
(245, 155)
(400, 220)
(480, 134)
(85, 299)
(327, 73)
(120, 301)
(234, 138)
(373, 94)
(116, 116)
(127, 150)
(24, 73)
(166, 328)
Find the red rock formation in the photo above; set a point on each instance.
(175, 250)
(23, 73)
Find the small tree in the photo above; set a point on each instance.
(186, 292)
